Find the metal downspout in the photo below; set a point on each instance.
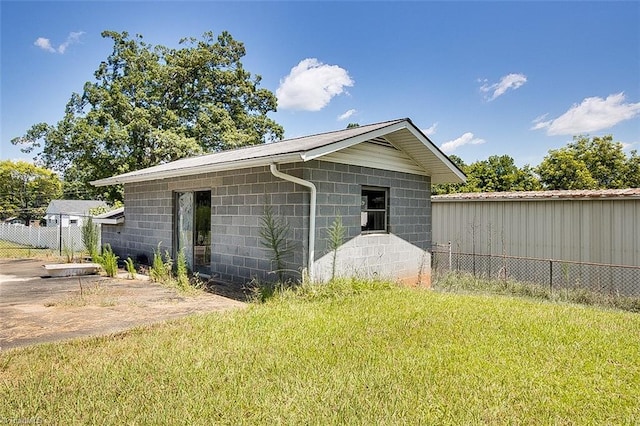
(312, 213)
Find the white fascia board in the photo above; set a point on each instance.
(109, 221)
(110, 213)
(346, 143)
(205, 168)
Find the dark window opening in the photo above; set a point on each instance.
(373, 213)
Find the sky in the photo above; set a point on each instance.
(478, 78)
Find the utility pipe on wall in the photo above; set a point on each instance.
(312, 212)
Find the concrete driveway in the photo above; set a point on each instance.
(37, 309)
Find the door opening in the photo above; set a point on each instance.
(193, 229)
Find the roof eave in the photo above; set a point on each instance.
(190, 171)
(457, 175)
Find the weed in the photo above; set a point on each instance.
(274, 236)
(131, 268)
(109, 261)
(162, 271)
(335, 238)
(158, 271)
(182, 272)
(90, 238)
(68, 253)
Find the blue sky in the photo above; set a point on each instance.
(480, 78)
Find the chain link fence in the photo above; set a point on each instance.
(555, 275)
(59, 236)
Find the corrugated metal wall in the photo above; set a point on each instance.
(585, 230)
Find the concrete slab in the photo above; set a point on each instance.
(36, 309)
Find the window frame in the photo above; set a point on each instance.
(365, 209)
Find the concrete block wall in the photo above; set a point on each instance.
(116, 237)
(402, 253)
(238, 200)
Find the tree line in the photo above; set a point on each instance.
(586, 163)
(149, 105)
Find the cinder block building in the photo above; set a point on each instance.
(376, 178)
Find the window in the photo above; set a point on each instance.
(373, 213)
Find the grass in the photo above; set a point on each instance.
(354, 353)
(467, 283)
(11, 250)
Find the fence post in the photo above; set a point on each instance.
(449, 256)
(60, 233)
(550, 276)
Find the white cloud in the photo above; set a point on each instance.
(466, 139)
(311, 84)
(74, 37)
(431, 130)
(591, 115)
(346, 114)
(509, 81)
(45, 43)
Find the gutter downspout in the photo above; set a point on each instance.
(312, 212)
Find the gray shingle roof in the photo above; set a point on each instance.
(288, 150)
(78, 207)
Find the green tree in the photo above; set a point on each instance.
(562, 170)
(589, 163)
(633, 174)
(153, 104)
(26, 190)
(497, 173)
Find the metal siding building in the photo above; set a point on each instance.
(586, 226)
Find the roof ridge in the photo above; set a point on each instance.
(345, 129)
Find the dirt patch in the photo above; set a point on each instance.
(36, 309)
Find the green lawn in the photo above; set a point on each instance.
(379, 356)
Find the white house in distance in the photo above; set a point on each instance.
(70, 212)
